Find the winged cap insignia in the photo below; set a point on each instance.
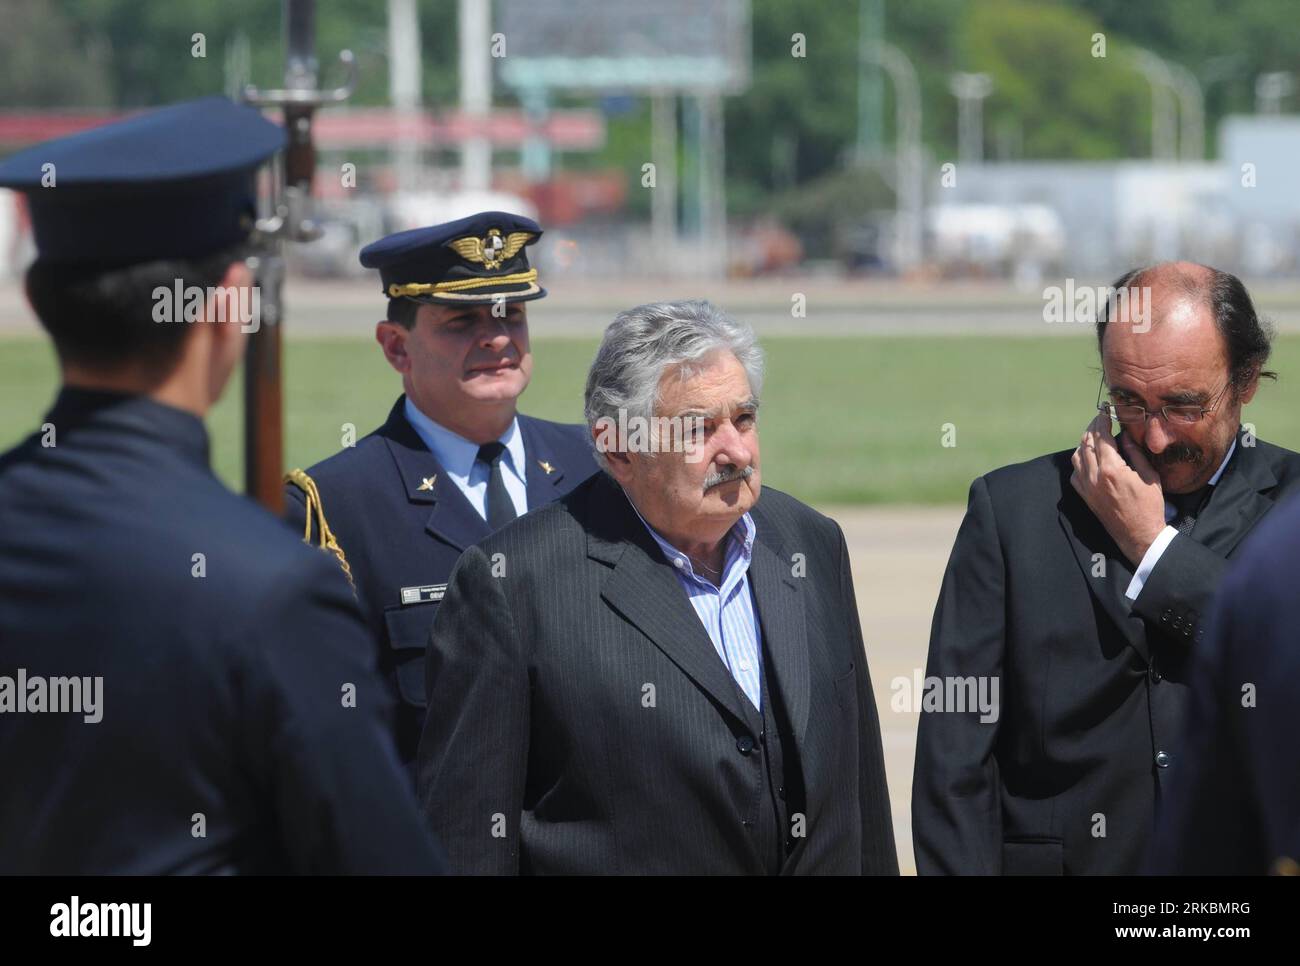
(492, 249)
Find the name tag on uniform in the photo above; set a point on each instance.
(428, 594)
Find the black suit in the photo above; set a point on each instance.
(1093, 688)
(1235, 810)
(242, 727)
(397, 531)
(578, 709)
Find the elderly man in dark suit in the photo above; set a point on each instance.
(660, 672)
(1080, 581)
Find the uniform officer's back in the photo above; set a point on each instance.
(184, 687)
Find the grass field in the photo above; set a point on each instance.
(857, 420)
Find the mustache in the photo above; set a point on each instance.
(1175, 454)
(718, 477)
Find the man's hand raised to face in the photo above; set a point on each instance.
(1126, 499)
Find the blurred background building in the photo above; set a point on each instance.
(926, 140)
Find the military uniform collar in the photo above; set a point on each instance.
(454, 452)
(136, 415)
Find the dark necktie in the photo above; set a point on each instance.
(1187, 506)
(500, 508)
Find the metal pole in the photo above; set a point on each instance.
(909, 188)
(1163, 107)
(970, 89)
(663, 150)
(713, 211)
(404, 83)
(1191, 104)
(690, 178)
(476, 91)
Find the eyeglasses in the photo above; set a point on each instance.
(1126, 413)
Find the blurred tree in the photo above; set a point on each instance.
(144, 52)
(1226, 44)
(800, 112)
(1066, 102)
(793, 128)
(49, 61)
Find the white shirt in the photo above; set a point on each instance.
(1166, 536)
(459, 459)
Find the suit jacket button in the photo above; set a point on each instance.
(745, 744)
(780, 792)
(1162, 759)
(1155, 673)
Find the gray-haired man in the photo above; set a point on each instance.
(657, 674)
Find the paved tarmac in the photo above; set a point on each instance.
(898, 556)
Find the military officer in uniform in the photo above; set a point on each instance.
(184, 687)
(455, 459)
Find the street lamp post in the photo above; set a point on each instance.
(970, 90)
(908, 187)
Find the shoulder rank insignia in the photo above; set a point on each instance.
(316, 514)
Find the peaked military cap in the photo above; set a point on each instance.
(482, 258)
(177, 182)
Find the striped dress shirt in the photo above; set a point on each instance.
(726, 611)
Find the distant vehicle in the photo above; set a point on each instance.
(864, 246)
(994, 240)
(764, 248)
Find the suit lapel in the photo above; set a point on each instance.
(543, 471)
(1237, 502)
(779, 600)
(1235, 506)
(1107, 583)
(643, 588)
(451, 517)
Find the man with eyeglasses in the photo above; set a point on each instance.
(1079, 581)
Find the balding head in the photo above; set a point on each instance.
(1172, 291)
(1182, 335)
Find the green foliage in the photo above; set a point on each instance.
(806, 101)
(144, 51)
(1066, 102)
(48, 63)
